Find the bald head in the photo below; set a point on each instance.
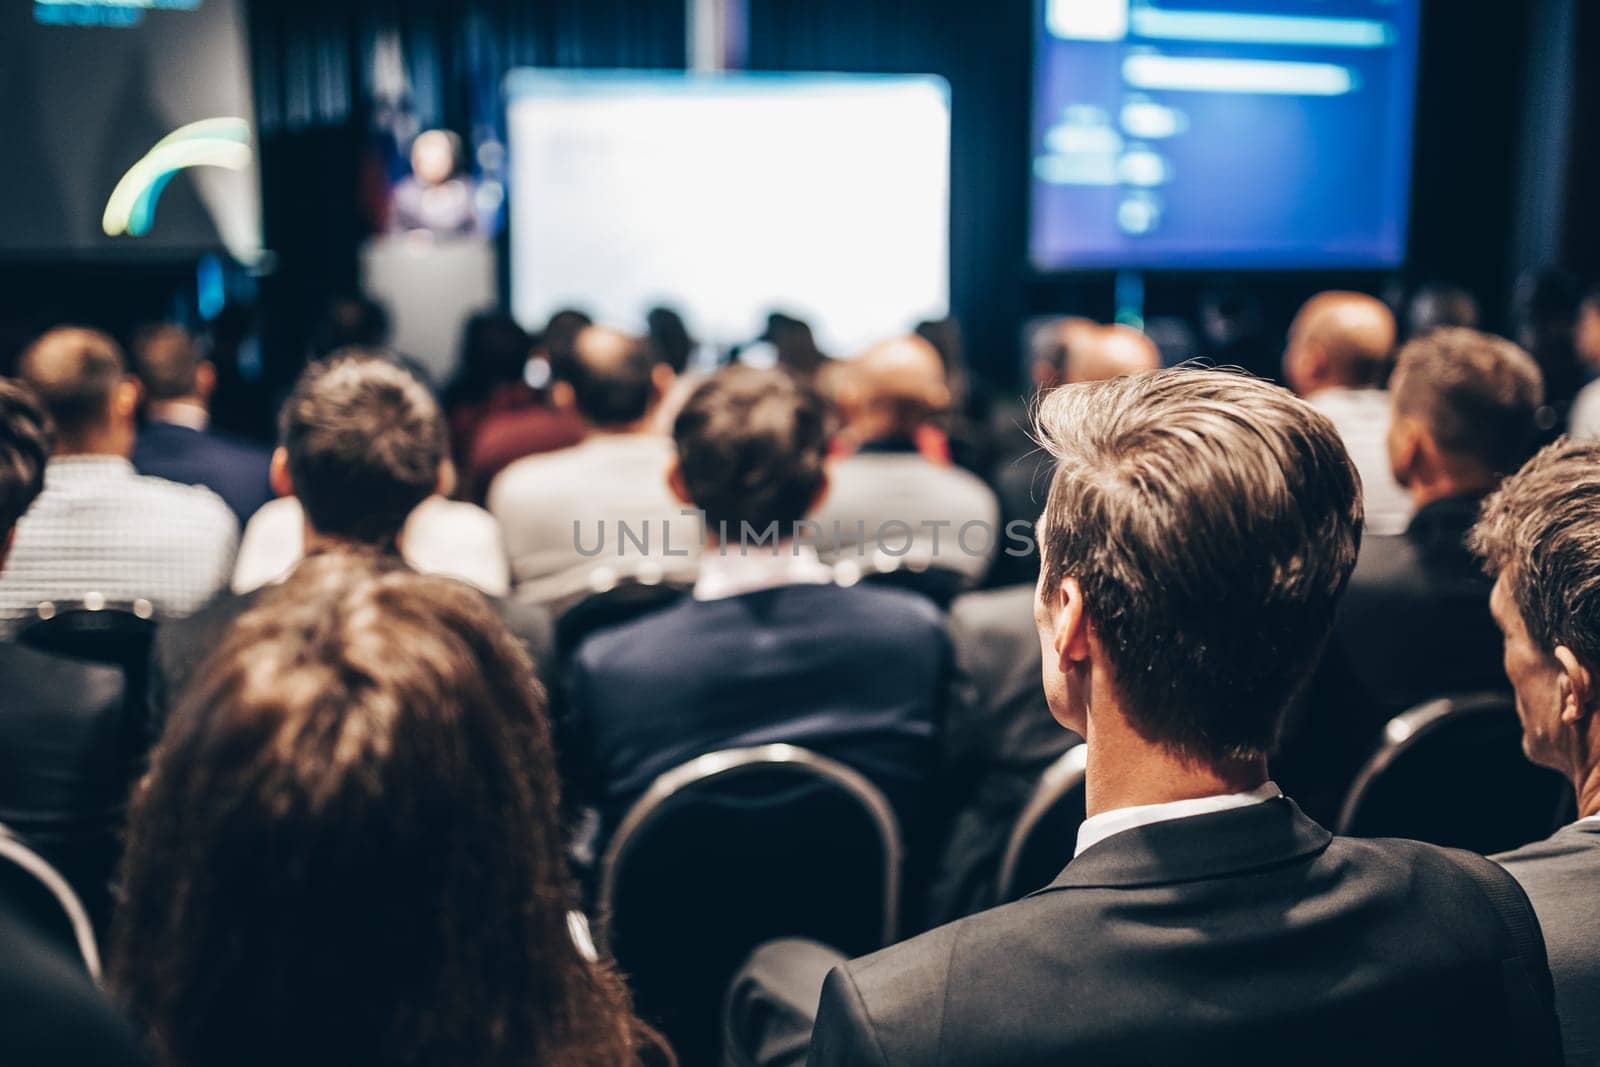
(1108, 352)
(1339, 340)
(79, 375)
(610, 378)
(892, 388)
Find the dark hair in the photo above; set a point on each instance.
(611, 375)
(751, 444)
(1540, 531)
(365, 441)
(167, 361)
(26, 438)
(350, 321)
(1477, 393)
(671, 338)
(1212, 521)
(74, 371)
(494, 350)
(347, 847)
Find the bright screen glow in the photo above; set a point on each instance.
(1222, 133)
(731, 196)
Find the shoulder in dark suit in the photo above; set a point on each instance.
(1244, 936)
(70, 750)
(1560, 875)
(235, 470)
(855, 673)
(1414, 624)
(999, 737)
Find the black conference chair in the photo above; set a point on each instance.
(939, 584)
(1451, 772)
(1043, 838)
(625, 601)
(734, 849)
(36, 891)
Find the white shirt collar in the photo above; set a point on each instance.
(733, 570)
(1097, 828)
(186, 413)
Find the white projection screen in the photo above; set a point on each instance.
(825, 197)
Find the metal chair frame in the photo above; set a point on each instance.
(731, 762)
(1066, 773)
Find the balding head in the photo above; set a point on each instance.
(1339, 340)
(79, 375)
(610, 378)
(1108, 352)
(1049, 345)
(892, 388)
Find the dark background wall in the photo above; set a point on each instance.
(1506, 148)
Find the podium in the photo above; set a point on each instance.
(430, 287)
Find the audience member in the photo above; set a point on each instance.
(768, 648)
(1196, 541)
(1414, 623)
(490, 376)
(527, 423)
(1546, 309)
(1338, 359)
(363, 445)
(350, 321)
(579, 520)
(176, 442)
(1437, 305)
(888, 502)
(1083, 352)
(99, 526)
(1233, 331)
(1540, 536)
(347, 849)
(1584, 421)
(68, 750)
(998, 739)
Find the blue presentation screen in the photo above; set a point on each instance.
(1222, 133)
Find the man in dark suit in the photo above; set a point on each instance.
(175, 441)
(768, 648)
(70, 746)
(1539, 534)
(1414, 624)
(1195, 543)
(364, 442)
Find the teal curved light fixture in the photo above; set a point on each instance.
(219, 142)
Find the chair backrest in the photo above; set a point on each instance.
(627, 600)
(1451, 772)
(94, 628)
(733, 849)
(1044, 835)
(33, 888)
(939, 584)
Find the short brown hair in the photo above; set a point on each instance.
(365, 440)
(26, 438)
(348, 844)
(74, 370)
(167, 360)
(751, 445)
(1212, 521)
(1540, 531)
(1478, 394)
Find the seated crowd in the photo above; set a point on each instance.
(351, 799)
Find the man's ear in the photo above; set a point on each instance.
(282, 484)
(1071, 624)
(563, 397)
(1407, 444)
(205, 380)
(445, 484)
(125, 398)
(676, 483)
(1576, 686)
(662, 378)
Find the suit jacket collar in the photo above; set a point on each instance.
(1199, 847)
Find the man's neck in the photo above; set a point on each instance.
(1444, 487)
(320, 542)
(182, 411)
(1127, 772)
(1587, 785)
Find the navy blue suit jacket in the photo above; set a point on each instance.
(858, 674)
(235, 470)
